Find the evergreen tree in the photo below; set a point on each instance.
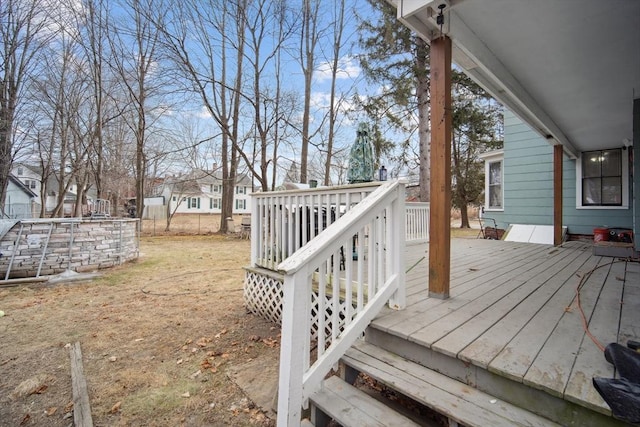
(476, 129)
(396, 62)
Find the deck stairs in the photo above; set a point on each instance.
(460, 403)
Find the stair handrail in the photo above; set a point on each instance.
(381, 215)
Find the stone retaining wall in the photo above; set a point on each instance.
(68, 244)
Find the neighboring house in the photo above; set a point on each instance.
(201, 192)
(519, 183)
(20, 201)
(31, 177)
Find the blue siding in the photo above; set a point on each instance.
(528, 185)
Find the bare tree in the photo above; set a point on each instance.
(136, 54)
(338, 29)
(268, 29)
(23, 32)
(206, 40)
(309, 37)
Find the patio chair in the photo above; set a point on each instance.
(245, 227)
(490, 232)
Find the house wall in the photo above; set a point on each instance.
(184, 206)
(18, 204)
(95, 245)
(528, 185)
(28, 177)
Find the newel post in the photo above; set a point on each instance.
(296, 314)
(396, 240)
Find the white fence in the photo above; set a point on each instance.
(353, 269)
(284, 221)
(417, 222)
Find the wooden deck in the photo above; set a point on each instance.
(513, 313)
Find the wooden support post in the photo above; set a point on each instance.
(440, 200)
(81, 408)
(557, 195)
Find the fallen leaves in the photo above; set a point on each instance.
(51, 411)
(203, 342)
(25, 419)
(270, 342)
(116, 407)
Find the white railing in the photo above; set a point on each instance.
(284, 221)
(350, 271)
(417, 225)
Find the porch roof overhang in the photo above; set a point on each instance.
(570, 69)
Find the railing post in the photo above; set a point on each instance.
(396, 241)
(295, 330)
(255, 225)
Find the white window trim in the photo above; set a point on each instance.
(492, 157)
(625, 185)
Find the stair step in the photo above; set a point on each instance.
(454, 399)
(349, 407)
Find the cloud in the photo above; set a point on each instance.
(348, 68)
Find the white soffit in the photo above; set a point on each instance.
(570, 68)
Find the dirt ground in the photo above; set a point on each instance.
(159, 337)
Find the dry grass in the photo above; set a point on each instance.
(157, 336)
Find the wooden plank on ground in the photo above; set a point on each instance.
(551, 369)
(81, 408)
(515, 359)
(590, 361)
(486, 347)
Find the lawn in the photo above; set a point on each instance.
(158, 338)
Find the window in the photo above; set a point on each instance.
(193, 203)
(174, 198)
(494, 185)
(493, 179)
(241, 204)
(241, 190)
(602, 178)
(32, 184)
(210, 188)
(216, 188)
(217, 203)
(20, 171)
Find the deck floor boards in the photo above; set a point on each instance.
(513, 311)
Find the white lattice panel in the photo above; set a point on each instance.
(263, 297)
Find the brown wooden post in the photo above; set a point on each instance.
(440, 200)
(557, 194)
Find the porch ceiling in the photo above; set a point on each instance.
(569, 68)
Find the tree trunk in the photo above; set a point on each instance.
(464, 217)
